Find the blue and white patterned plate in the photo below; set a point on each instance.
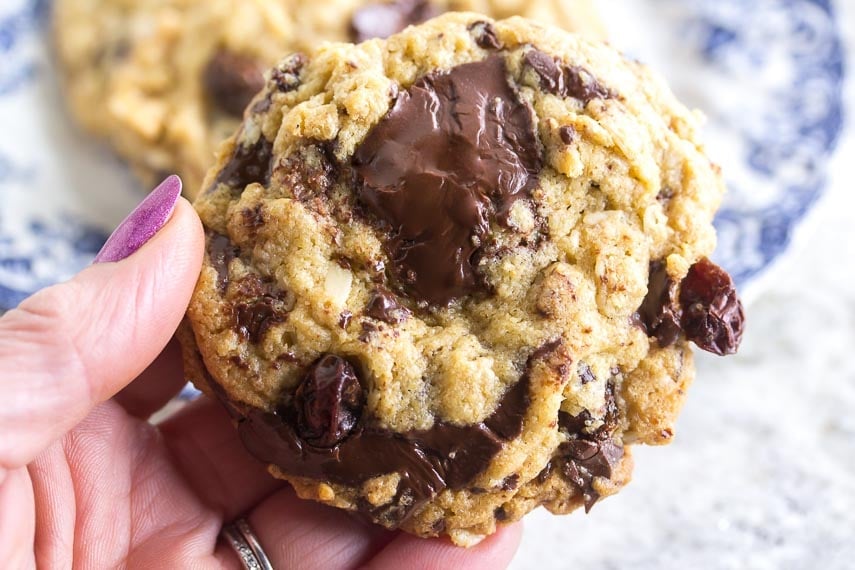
(767, 73)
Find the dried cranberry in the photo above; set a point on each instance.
(713, 316)
(329, 402)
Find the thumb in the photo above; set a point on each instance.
(74, 345)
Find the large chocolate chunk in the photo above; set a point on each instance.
(254, 318)
(589, 455)
(232, 80)
(329, 402)
(585, 460)
(565, 80)
(660, 312)
(247, 164)
(383, 19)
(713, 316)
(456, 150)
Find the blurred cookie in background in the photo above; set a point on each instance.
(164, 82)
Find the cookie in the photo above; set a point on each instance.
(453, 275)
(166, 81)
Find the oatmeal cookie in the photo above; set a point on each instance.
(452, 275)
(166, 81)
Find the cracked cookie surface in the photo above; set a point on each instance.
(166, 81)
(453, 275)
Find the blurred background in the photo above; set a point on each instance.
(762, 471)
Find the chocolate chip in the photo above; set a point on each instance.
(500, 514)
(660, 311)
(329, 402)
(485, 35)
(286, 75)
(253, 218)
(254, 318)
(383, 19)
(344, 319)
(221, 252)
(665, 194)
(544, 473)
(232, 80)
(581, 449)
(577, 426)
(565, 80)
(368, 328)
(586, 375)
(383, 306)
(456, 150)
(510, 482)
(587, 455)
(247, 164)
(713, 316)
(309, 171)
(567, 134)
(583, 461)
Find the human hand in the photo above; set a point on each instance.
(87, 481)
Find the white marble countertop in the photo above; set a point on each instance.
(761, 474)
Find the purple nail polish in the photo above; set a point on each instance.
(141, 224)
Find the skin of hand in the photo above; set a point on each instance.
(87, 481)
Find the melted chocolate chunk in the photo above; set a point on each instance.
(485, 35)
(584, 460)
(565, 80)
(232, 80)
(329, 402)
(254, 318)
(248, 164)
(286, 75)
(221, 251)
(384, 19)
(456, 149)
(588, 455)
(428, 461)
(713, 316)
(660, 311)
(264, 305)
(383, 306)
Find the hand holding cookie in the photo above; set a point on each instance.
(86, 480)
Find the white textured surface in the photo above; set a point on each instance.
(762, 472)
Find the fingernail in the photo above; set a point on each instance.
(141, 224)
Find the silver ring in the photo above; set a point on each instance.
(245, 544)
